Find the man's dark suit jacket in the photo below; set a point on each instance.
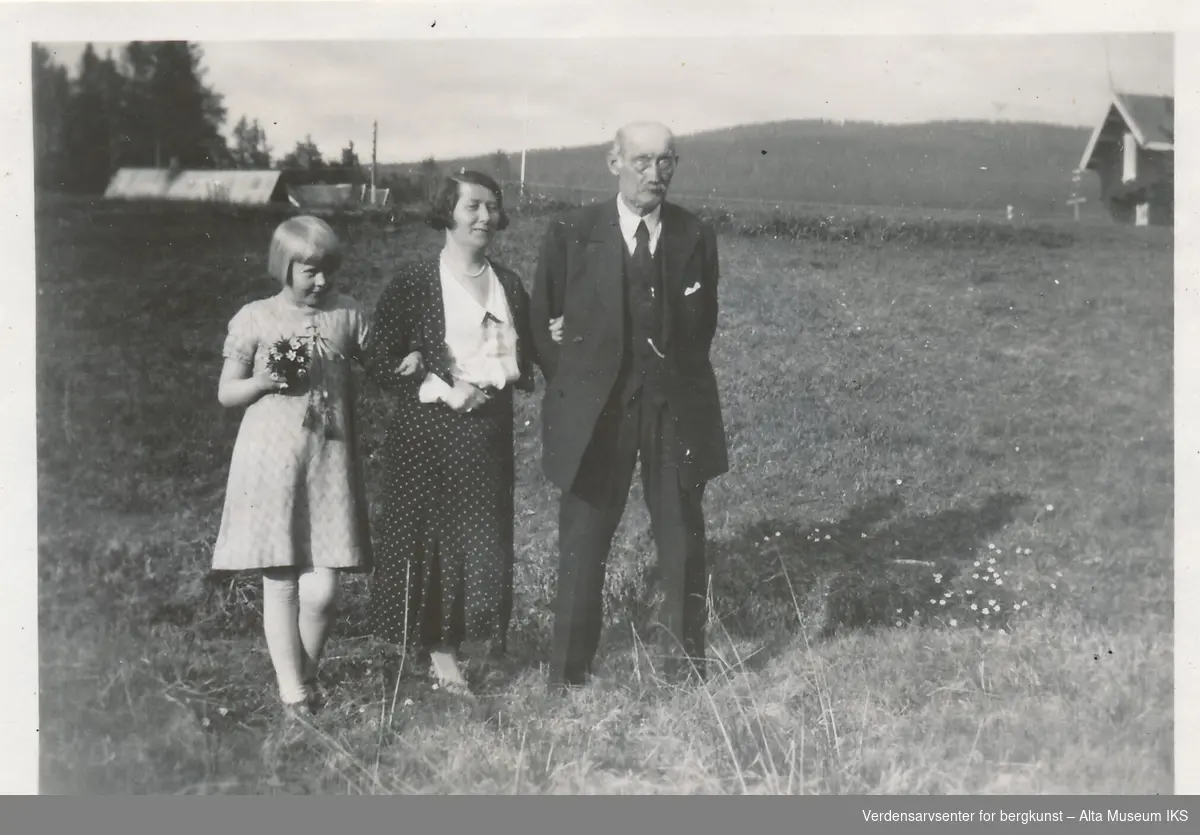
(580, 276)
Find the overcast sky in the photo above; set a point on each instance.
(448, 97)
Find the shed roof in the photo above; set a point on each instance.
(254, 187)
(138, 182)
(321, 196)
(1151, 120)
(235, 186)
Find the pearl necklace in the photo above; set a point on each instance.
(463, 279)
(456, 270)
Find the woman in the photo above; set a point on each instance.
(451, 342)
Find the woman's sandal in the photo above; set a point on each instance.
(454, 688)
(450, 680)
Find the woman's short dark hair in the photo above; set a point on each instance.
(445, 198)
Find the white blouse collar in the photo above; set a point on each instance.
(496, 304)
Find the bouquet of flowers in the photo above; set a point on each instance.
(289, 360)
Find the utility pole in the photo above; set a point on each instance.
(521, 193)
(524, 147)
(374, 143)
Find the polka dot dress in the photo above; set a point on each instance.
(444, 532)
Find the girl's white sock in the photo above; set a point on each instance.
(318, 593)
(297, 610)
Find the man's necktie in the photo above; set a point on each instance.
(643, 261)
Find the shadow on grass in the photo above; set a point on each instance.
(875, 566)
(856, 573)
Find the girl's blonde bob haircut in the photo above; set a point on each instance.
(304, 239)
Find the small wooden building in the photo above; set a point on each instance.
(249, 187)
(1133, 152)
(253, 187)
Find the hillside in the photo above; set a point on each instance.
(949, 165)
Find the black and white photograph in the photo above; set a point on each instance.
(564, 400)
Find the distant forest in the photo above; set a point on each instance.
(149, 106)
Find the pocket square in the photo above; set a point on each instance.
(692, 289)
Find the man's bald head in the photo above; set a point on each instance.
(643, 160)
(641, 133)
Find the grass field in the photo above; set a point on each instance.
(1001, 412)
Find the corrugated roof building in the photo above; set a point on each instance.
(243, 187)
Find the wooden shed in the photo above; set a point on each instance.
(1132, 150)
(245, 187)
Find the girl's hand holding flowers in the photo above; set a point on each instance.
(288, 361)
(270, 383)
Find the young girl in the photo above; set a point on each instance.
(295, 506)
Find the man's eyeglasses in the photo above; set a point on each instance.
(665, 165)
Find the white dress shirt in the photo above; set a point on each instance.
(481, 339)
(629, 223)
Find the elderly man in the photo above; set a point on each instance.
(634, 280)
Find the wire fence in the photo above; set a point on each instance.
(536, 197)
(575, 194)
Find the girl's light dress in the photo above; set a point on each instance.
(296, 494)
